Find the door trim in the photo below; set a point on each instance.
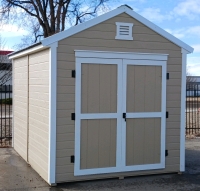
(120, 55)
(103, 57)
(161, 114)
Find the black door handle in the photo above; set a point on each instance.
(124, 116)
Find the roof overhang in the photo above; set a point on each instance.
(31, 49)
(122, 9)
(78, 28)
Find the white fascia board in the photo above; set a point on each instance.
(25, 52)
(160, 31)
(78, 28)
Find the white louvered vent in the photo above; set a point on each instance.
(124, 31)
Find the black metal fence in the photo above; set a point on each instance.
(5, 116)
(193, 108)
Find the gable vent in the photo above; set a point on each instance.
(124, 31)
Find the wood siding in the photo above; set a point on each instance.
(39, 112)
(20, 105)
(31, 109)
(102, 37)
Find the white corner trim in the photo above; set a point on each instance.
(52, 112)
(182, 117)
(120, 55)
(124, 31)
(13, 102)
(122, 9)
(25, 52)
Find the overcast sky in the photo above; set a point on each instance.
(178, 17)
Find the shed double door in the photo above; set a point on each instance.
(120, 119)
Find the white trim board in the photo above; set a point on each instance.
(122, 9)
(120, 55)
(182, 117)
(25, 52)
(52, 113)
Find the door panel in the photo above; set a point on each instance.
(143, 88)
(98, 143)
(143, 105)
(143, 141)
(98, 115)
(99, 88)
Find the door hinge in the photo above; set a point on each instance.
(167, 76)
(73, 73)
(167, 114)
(124, 116)
(72, 116)
(166, 153)
(72, 159)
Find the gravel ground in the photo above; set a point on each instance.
(192, 153)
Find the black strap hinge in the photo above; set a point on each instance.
(73, 73)
(72, 116)
(167, 114)
(72, 158)
(124, 116)
(166, 153)
(167, 76)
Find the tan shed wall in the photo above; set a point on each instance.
(102, 37)
(20, 107)
(39, 112)
(31, 109)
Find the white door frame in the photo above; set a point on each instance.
(102, 57)
(132, 115)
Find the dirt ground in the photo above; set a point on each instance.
(15, 174)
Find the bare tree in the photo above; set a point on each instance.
(48, 17)
(5, 65)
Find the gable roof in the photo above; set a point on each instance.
(122, 9)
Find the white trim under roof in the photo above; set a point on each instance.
(25, 52)
(122, 9)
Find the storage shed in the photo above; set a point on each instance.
(102, 99)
